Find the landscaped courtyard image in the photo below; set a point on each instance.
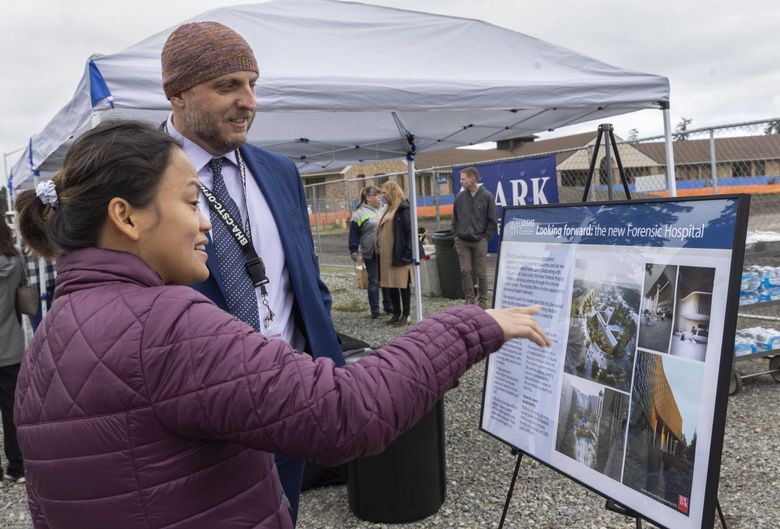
(592, 423)
(603, 324)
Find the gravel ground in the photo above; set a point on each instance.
(479, 468)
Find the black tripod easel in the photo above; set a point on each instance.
(607, 128)
(519, 455)
(611, 505)
(610, 141)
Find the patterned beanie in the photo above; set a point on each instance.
(200, 51)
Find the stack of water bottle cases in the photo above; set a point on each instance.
(760, 284)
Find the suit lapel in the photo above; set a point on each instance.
(262, 175)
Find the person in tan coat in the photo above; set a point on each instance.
(394, 245)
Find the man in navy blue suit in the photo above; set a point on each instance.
(209, 75)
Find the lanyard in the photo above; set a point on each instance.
(254, 264)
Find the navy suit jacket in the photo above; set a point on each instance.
(280, 182)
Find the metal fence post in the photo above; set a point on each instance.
(437, 197)
(348, 196)
(713, 163)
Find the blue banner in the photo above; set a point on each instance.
(671, 224)
(517, 183)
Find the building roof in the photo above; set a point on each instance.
(745, 148)
(466, 156)
(686, 152)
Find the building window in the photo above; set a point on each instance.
(380, 179)
(424, 187)
(311, 183)
(739, 169)
(574, 177)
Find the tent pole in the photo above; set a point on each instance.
(670, 175)
(411, 151)
(9, 192)
(415, 246)
(713, 163)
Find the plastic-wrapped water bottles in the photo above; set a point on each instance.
(744, 346)
(756, 339)
(759, 284)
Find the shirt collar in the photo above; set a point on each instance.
(199, 156)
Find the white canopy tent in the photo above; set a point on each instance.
(342, 82)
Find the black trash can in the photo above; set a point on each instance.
(448, 264)
(407, 481)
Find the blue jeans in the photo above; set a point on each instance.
(372, 270)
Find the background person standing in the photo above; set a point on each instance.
(11, 349)
(394, 244)
(474, 221)
(362, 241)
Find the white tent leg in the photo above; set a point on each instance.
(418, 314)
(670, 175)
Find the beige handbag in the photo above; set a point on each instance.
(362, 275)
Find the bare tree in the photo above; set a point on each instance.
(680, 132)
(773, 127)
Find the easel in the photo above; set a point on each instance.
(611, 505)
(604, 128)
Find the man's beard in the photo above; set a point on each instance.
(207, 131)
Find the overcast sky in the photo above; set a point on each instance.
(720, 56)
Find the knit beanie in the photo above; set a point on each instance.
(200, 51)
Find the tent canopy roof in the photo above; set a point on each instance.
(342, 82)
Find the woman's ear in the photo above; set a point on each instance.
(121, 217)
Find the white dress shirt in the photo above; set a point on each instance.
(265, 235)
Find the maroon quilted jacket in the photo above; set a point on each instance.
(141, 405)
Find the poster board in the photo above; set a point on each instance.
(640, 301)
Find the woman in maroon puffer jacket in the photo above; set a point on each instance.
(141, 404)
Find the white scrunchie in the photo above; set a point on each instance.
(47, 193)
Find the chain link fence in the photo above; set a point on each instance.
(736, 158)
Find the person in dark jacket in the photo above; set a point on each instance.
(11, 349)
(474, 221)
(394, 245)
(362, 243)
(140, 403)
